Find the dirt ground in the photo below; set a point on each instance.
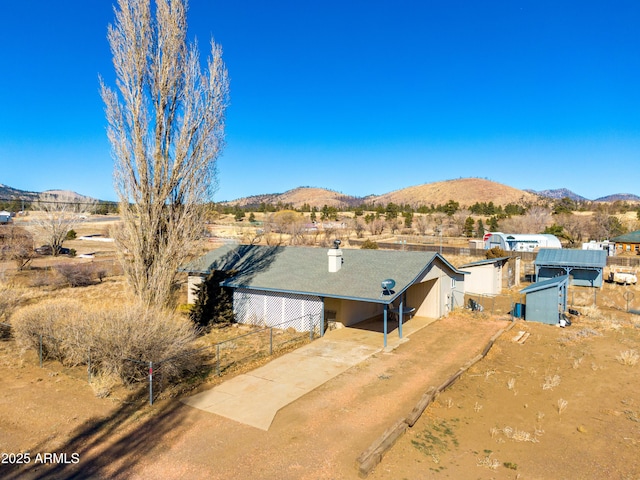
(317, 437)
(560, 405)
(504, 419)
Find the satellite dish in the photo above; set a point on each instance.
(387, 286)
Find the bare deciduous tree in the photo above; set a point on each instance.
(16, 244)
(166, 127)
(57, 215)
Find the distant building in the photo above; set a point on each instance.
(516, 242)
(629, 242)
(607, 246)
(5, 217)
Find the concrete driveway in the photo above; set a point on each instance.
(254, 398)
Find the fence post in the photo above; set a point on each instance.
(218, 359)
(271, 341)
(310, 328)
(40, 351)
(150, 383)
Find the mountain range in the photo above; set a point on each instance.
(465, 191)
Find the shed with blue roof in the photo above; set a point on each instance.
(546, 300)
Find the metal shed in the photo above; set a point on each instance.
(546, 300)
(584, 267)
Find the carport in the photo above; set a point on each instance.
(584, 267)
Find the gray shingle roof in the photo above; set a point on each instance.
(571, 258)
(305, 270)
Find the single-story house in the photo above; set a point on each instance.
(584, 267)
(517, 242)
(489, 277)
(629, 242)
(546, 300)
(299, 285)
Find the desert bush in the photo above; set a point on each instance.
(369, 244)
(77, 275)
(122, 340)
(9, 298)
(51, 319)
(126, 339)
(628, 357)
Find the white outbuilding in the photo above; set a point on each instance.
(517, 242)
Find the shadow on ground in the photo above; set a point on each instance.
(109, 447)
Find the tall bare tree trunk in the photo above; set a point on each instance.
(166, 128)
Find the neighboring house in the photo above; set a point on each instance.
(5, 217)
(584, 267)
(489, 277)
(547, 300)
(274, 285)
(629, 242)
(516, 242)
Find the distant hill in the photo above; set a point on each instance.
(465, 191)
(559, 193)
(314, 197)
(9, 193)
(619, 197)
(64, 196)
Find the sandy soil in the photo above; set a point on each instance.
(318, 436)
(506, 418)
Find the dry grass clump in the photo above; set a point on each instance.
(571, 336)
(519, 435)
(550, 382)
(488, 462)
(628, 357)
(119, 340)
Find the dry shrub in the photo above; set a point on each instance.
(51, 319)
(121, 340)
(628, 357)
(9, 299)
(78, 275)
(125, 340)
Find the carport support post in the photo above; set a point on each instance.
(400, 315)
(386, 314)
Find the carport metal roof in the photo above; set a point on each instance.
(592, 259)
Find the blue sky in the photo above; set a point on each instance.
(358, 96)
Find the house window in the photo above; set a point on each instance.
(453, 283)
